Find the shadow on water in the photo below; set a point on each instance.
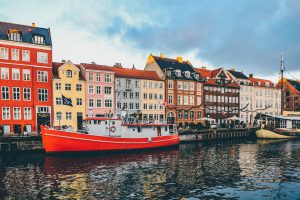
(212, 170)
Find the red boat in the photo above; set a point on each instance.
(106, 134)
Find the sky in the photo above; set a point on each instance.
(248, 35)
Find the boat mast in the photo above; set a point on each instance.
(282, 68)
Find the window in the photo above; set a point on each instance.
(137, 84)
(4, 73)
(192, 114)
(26, 74)
(179, 100)
(192, 86)
(145, 95)
(118, 82)
(68, 116)
(186, 114)
(69, 73)
(78, 87)
(125, 95)
(15, 54)
(5, 113)
(160, 96)
(17, 113)
(170, 84)
(91, 76)
(170, 99)
(68, 87)
(27, 113)
(58, 100)
(150, 106)
(108, 78)
(137, 106)
(98, 77)
(79, 101)
(16, 93)
(145, 106)
(186, 100)
(128, 82)
(42, 76)
(156, 85)
(38, 39)
(42, 57)
(58, 115)
(91, 89)
(198, 114)
(145, 84)
(179, 85)
(26, 94)
(108, 103)
(161, 85)
(125, 106)
(15, 74)
(131, 106)
(185, 86)
(43, 95)
(98, 103)
(98, 89)
(5, 93)
(191, 100)
(91, 103)
(119, 105)
(137, 95)
(15, 35)
(150, 96)
(25, 55)
(58, 86)
(131, 95)
(198, 100)
(4, 53)
(150, 84)
(107, 90)
(179, 114)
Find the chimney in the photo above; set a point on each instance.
(203, 67)
(161, 55)
(179, 59)
(93, 63)
(33, 24)
(118, 65)
(250, 75)
(232, 69)
(133, 67)
(63, 61)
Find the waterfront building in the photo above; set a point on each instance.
(266, 97)
(291, 94)
(68, 95)
(246, 95)
(25, 82)
(100, 90)
(221, 94)
(183, 91)
(139, 92)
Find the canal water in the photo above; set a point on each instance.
(224, 170)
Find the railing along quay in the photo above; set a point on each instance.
(215, 134)
(16, 143)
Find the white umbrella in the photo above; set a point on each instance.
(207, 119)
(234, 118)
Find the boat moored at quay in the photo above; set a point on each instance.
(278, 127)
(108, 134)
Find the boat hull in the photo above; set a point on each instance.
(56, 141)
(270, 134)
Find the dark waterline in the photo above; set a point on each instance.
(224, 170)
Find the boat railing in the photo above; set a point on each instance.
(143, 121)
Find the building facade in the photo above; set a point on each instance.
(100, 90)
(139, 92)
(68, 84)
(266, 97)
(183, 89)
(221, 94)
(25, 82)
(291, 94)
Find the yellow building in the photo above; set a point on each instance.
(68, 95)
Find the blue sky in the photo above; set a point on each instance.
(248, 35)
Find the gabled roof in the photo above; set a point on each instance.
(295, 84)
(97, 67)
(27, 32)
(57, 65)
(134, 73)
(262, 82)
(175, 64)
(238, 75)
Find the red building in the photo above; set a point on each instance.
(25, 77)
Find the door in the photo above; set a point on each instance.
(158, 131)
(42, 119)
(17, 129)
(79, 121)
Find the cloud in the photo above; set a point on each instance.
(248, 35)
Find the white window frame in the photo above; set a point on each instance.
(42, 57)
(4, 53)
(27, 113)
(42, 95)
(7, 96)
(42, 76)
(28, 92)
(5, 113)
(4, 73)
(17, 115)
(17, 91)
(15, 54)
(26, 74)
(26, 55)
(15, 74)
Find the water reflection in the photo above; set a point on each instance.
(232, 169)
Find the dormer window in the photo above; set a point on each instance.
(258, 83)
(69, 73)
(267, 84)
(178, 73)
(187, 74)
(38, 39)
(15, 35)
(169, 73)
(197, 76)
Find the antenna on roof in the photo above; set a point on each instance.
(133, 66)
(282, 68)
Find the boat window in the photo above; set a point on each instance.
(113, 122)
(95, 121)
(105, 122)
(133, 129)
(139, 129)
(166, 128)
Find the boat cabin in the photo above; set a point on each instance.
(278, 121)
